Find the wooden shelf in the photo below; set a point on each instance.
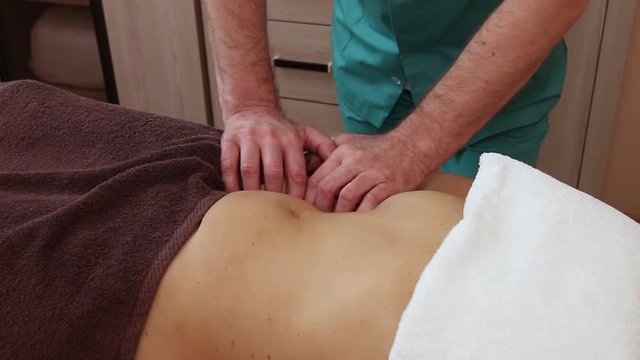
(64, 2)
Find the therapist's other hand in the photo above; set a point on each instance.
(365, 170)
(262, 141)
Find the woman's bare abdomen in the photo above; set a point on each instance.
(267, 276)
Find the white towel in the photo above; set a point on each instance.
(535, 270)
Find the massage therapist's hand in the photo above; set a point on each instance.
(365, 170)
(262, 141)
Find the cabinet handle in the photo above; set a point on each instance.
(301, 65)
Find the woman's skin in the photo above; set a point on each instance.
(268, 276)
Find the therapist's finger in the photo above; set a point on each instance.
(330, 187)
(295, 172)
(250, 165)
(375, 197)
(229, 158)
(319, 175)
(272, 166)
(352, 194)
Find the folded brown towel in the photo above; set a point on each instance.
(95, 201)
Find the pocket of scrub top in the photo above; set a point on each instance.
(344, 19)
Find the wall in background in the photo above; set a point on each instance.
(577, 148)
(622, 182)
(562, 152)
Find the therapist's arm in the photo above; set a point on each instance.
(258, 138)
(498, 61)
(496, 64)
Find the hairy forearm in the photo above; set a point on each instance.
(495, 65)
(241, 51)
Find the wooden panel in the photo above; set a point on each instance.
(561, 154)
(615, 45)
(209, 28)
(622, 185)
(306, 85)
(156, 57)
(325, 118)
(302, 42)
(306, 11)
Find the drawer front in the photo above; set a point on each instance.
(306, 85)
(302, 11)
(302, 43)
(323, 117)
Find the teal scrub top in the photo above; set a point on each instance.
(383, 47)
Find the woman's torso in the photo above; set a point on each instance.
(267, 276)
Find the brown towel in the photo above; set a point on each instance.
(95, 201)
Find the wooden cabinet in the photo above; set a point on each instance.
(300, 32)
(311, 45)
(158, 58)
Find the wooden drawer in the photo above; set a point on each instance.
(306, 85)
(302, 43)
(299, 31)
(302, 11)
(324, 117)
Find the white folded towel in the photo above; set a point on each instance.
(535, 270)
